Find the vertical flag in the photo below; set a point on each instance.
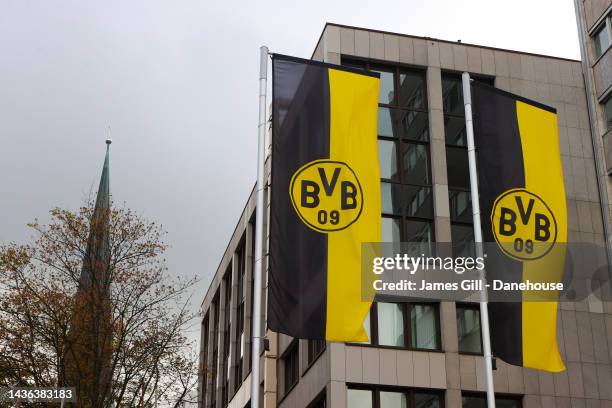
(522, 198)
(325, 197)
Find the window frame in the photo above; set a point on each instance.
(402, 140)
(407, 316)
(475, 394)
(470, 306)
(605, 24)
(292, 348)
(409, 391)
(311, 359)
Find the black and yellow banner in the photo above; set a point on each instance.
(325, 197)
(523, 206)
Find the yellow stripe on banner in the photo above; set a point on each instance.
(544, 177)
(353, 140)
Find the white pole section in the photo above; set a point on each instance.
(259, 233)
(484, 310)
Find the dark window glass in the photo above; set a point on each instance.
(319, 402)
(417, 201)
(387, 87)
(415, 164)
(418, 231)
(460, 205)
(426, 400)
(468, 329)
(601, 41)
(457, 168)
(414, 125)
(452, 96)
(454, 131)
(463, 239)
(412, 90)
(291, 366)
(315, 348)
(387, 156)
(608, 113)
(479, 401)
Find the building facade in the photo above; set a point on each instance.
(421, 355)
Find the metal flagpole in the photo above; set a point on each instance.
(259, 211)
(484, 310)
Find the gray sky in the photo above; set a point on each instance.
(177, 81)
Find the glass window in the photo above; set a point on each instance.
(415, 164)
(424, 327)
(412, 90)
(414, 125)
(359, 398)
(479, 401)
(393, 400)
(426, 400)
(391, 198)
(315, 348)
(387, 122)
(387, 92)
(387, 156)
(468, 329)
(454, 131)
(390, 324)
(457, 167)
(391, 228)
(462, 236)
(460, 205)
(418, 201)
(418, 231)
(452, 96)
(291, 368)
(601, 40)
(608, 113)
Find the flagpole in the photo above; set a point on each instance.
(259, 211)
(484, 310)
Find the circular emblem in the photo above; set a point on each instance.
(523, 225)
(327, 195)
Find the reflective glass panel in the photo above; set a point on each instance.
(457, 167)
(393, 400)
(412, 90)
(359, 398)
(468, 330)
(391, 198)
(415, 164)
(460, 204)
(418, 201)
(387, 92)
(454, 131)
(424, 400)
(414, 124)
(391, 228)
(390, 324)
(424, 323)
(387, 157)
(387, 123)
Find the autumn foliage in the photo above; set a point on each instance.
(139, 356)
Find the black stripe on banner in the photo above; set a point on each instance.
(500, 168)
(298, 254)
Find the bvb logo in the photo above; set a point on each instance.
(523, 225)
(327, 195)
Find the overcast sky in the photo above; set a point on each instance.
(177, 81)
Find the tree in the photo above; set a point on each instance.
(150, 358)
